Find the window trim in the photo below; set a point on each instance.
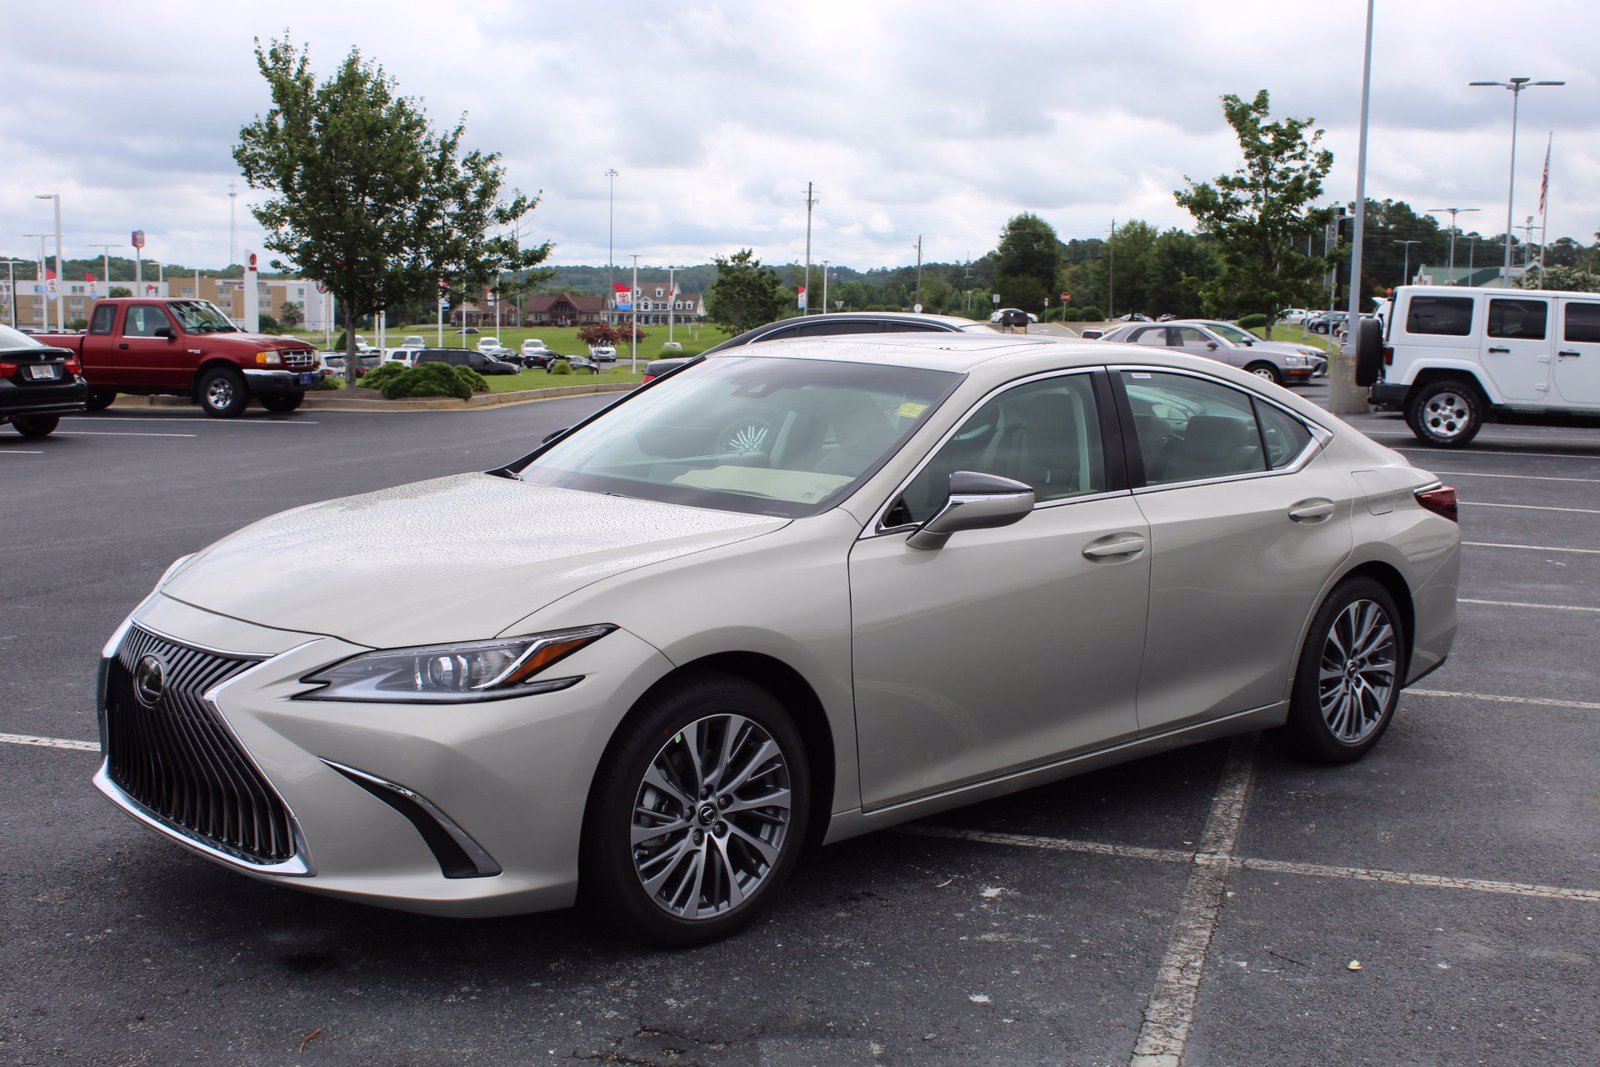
(1321, 436)
(1111, 445)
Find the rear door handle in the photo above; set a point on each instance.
(1569, 354)
(1500, 350)
(1114, 546)
(123, 345)
(1311, 511)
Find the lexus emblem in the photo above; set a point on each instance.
(149, 681)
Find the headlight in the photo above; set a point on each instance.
(1295, 361)
(453, 674)
(271, 358)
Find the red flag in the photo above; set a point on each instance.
(618, 287)
(88, 277)
(49, 275)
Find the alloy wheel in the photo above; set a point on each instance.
(711, 817)
(219, 392)
(1446, 415)
(1357, 676)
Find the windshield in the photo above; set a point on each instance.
(10, 338)
(200, 316)
(787, 437)
(1232, 333)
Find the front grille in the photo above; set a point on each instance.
(299, 360)
(180, 762)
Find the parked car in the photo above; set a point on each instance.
(1325, 322)
(999, 314)
(533, 346)
(1284, 364)
(38, 384)
(403, 355)
(1292, 316)
(157, 346)
(414, 341)
(812, 326)
(467, 330)
(333, 363)
(481, 362)
(811, 591)
(603, 353)
(1457, 357)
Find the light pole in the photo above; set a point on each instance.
(105, 266)
(11, 288)
(1454, 211)
(1344, 396)
(61, 281)
(1405, 272)
(44, 289)
(824, 287)
(611, 216)
(1516, 85)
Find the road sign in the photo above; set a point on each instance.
(1066, 298)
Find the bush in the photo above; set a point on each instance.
(1091, 314)
(1252, 322)
(559, 366)
(79, 323)
(382, 375)
(671, 347)
(329, 383)
(475, 381)
(430, 379)
(268, 325)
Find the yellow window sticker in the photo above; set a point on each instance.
(911, 409)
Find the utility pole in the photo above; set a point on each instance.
(916, 305)
(1111, 273)
(811, 202)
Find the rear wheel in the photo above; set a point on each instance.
(1348, 680)
(100, 399)
(223, 394)
(282, 405)
(1447, 413)
(697, 814)
(36, 426)
(1266, 371)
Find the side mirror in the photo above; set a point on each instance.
(976, 502)
(166, 331)
(1213, 345)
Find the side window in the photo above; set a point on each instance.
(1191, 429)
(1448, 316)
(1155, 338)
(1522, 319)
(1284, 435)
(143, 321)
(104, 316)
(820, 328)
(1189, 337)
(1045, 433)
(1583, 323)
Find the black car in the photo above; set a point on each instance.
(465, 357)
(845, 322)
(38, 384)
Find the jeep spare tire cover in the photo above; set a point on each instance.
(1369, 351)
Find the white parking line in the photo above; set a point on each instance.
(153, 419)
(118, 433)
(1476, 452)
(50, 742)
(1495, 698)
(1518, 477)
(1428, 881)
(1528, 507)
(20, 452)
(1520, 604)
(1531, 548)
(1169, 1014)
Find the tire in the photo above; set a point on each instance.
(100, 399)
(1341, 704)
(1369, 352)
(1447, 413)
(649, 890)
(36, 426)
(1266, 371)
(282, 405)
(223, 394)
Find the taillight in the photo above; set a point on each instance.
(1388, 355)
(1439, 499)
(7, 369)
(648, 378)
(73, 366)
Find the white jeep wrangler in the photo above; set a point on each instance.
(1454, 356)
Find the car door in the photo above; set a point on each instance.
(104, 362)
(1197, 342)
(149, 360)
(1247, 522)
(1577, 366)
(1517, 346)
(1006, 648)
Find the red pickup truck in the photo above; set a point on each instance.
(188, 348)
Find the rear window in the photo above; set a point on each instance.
(1449, 316)
(1524, 319)
(1583, 323)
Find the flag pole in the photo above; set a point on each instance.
(1544, 205)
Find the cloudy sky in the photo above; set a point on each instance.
(925, 118)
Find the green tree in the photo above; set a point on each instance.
(119, 291)
(368, 197)
(745, 295)
(1259, 216)
(1563, 279)
(1027, 261)
(292, 314)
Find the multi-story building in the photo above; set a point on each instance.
(655, 303)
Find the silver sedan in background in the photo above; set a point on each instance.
(814, 589)
(1281, 362)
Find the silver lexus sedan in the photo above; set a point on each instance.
(786, 596)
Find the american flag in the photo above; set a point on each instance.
(1544, 182)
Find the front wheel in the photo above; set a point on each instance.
(1446, 413)
(223, 394)
(697, 813)
(1266, 372)
(36, 426)
(282, 405)
(1348, 680)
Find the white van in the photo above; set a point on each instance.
(1453, 356)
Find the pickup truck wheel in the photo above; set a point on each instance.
(282, 405)
(35, 426)
(1447, 413)
(100, 399)
(222, 393)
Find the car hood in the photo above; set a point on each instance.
(450, 559)
(1281, 348)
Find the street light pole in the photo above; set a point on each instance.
(1454, 211)
(611, 217)
(44, 289)
(1345, 397)
(11, 289)
(1515, 85)
(1405, 271)
(105, 267)
(824, 287)
(61, 281)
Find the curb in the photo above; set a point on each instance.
(332, 401)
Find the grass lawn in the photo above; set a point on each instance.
(538, 379)
(1298, 336)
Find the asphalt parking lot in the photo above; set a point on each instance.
(1438, 902)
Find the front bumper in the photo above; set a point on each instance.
(281, 382)
(455, 809)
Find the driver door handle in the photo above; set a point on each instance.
(1569, 354)
(1311, 511)
(1114, 546)
(123, 345)
(1507, 350)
